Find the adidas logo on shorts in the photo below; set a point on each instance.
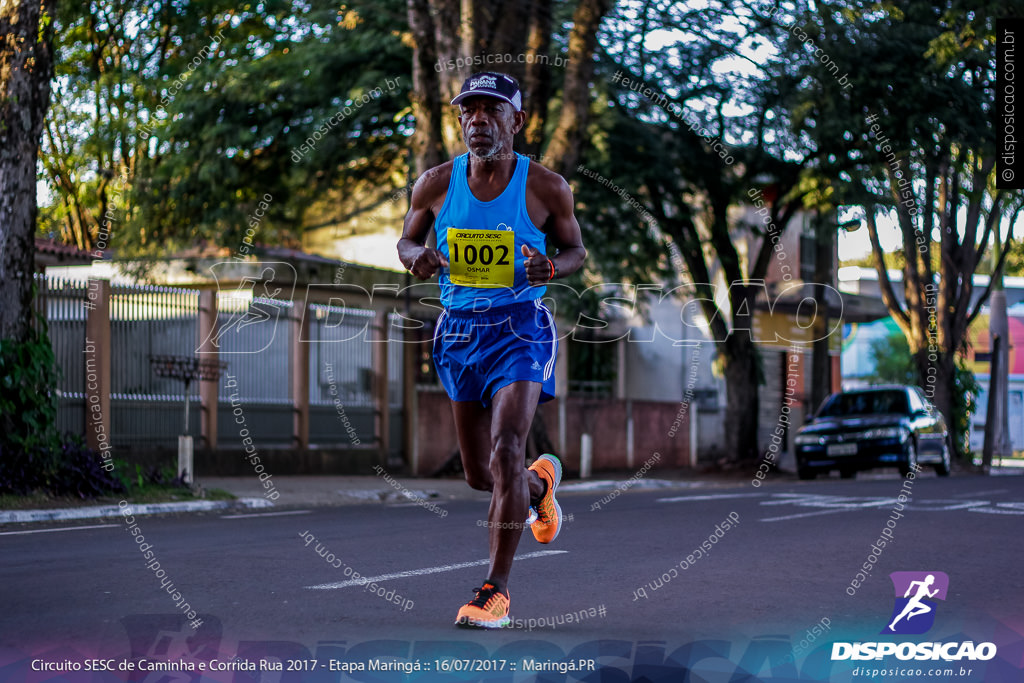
(536, 366)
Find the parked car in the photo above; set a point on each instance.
(879, 426)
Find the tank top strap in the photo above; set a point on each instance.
(521, 173)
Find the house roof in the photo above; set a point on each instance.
(50, 252)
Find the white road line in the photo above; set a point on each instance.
(978, 493)
(934, 505)
(429, 570)
(996, 511)
(268, 514)
(1002, 509)
(793, 499)
(712, 496)
(411, 505)
(809, 514)
(46, 531)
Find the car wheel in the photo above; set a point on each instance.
(911, 463)
(943, 468)
(848, 474)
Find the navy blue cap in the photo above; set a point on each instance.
(492, 84)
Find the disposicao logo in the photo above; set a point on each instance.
(913, 614)
(916, 592)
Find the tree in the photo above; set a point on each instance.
(453, 39)
(179, 120)
(26, 64)
(910, 139)
(892, 361)
(690, 140)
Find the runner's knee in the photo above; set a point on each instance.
(507, 459)
(481, 481)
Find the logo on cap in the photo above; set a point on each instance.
(492, 85)
(483, 82)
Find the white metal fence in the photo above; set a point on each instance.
(147, 410)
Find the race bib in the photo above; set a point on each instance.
(481, 258)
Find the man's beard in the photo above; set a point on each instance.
(489, 154)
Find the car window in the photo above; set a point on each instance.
(866, 403)
(928, 405)
(916, 400)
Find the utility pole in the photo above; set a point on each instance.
(998, 384)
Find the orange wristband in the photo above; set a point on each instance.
(552, 264)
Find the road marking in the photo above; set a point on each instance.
(712, 496)
(809, 514)
(978, 493)
(268, 514)
(1002, 509)
(429, 570)
(795, 498)
(66, 528)
(941, 505)
(846, 502)
(413, 505)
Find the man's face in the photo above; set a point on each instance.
(487, 125)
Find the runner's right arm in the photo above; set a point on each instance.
(423, 261)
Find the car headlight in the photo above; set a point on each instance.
(900, 433)
(807, 439)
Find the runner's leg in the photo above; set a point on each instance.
(473, 429)
(512, 409)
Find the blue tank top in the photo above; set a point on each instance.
(483, 243)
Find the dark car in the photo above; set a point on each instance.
(880, 426)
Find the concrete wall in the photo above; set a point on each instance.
(658, 427)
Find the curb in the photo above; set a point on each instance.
(64, 514)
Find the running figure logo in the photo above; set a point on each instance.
(914, 612)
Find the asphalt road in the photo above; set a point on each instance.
(778, 568)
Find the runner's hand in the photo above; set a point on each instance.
(428, 262)
(538, 267)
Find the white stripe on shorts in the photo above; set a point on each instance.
(437, 327)
(549, 367)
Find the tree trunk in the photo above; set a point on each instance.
(940, 390)
(742, 377)
(26, 66)
(563, 150)
(537, 78)
(427, 142)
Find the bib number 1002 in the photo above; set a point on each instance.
(481, 258)
(484, 254)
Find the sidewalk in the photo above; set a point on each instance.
(327, 490)
(324, 490)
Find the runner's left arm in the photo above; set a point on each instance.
(563, 232)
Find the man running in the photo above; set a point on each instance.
(494, 212)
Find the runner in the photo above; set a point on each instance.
(494, 212)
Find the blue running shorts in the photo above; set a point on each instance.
(478, 353)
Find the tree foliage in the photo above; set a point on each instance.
(687, 137)
(911, 140)
(175, 119)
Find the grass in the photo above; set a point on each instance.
(147, 493)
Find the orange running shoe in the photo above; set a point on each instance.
(549, 513)
(489, 609)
